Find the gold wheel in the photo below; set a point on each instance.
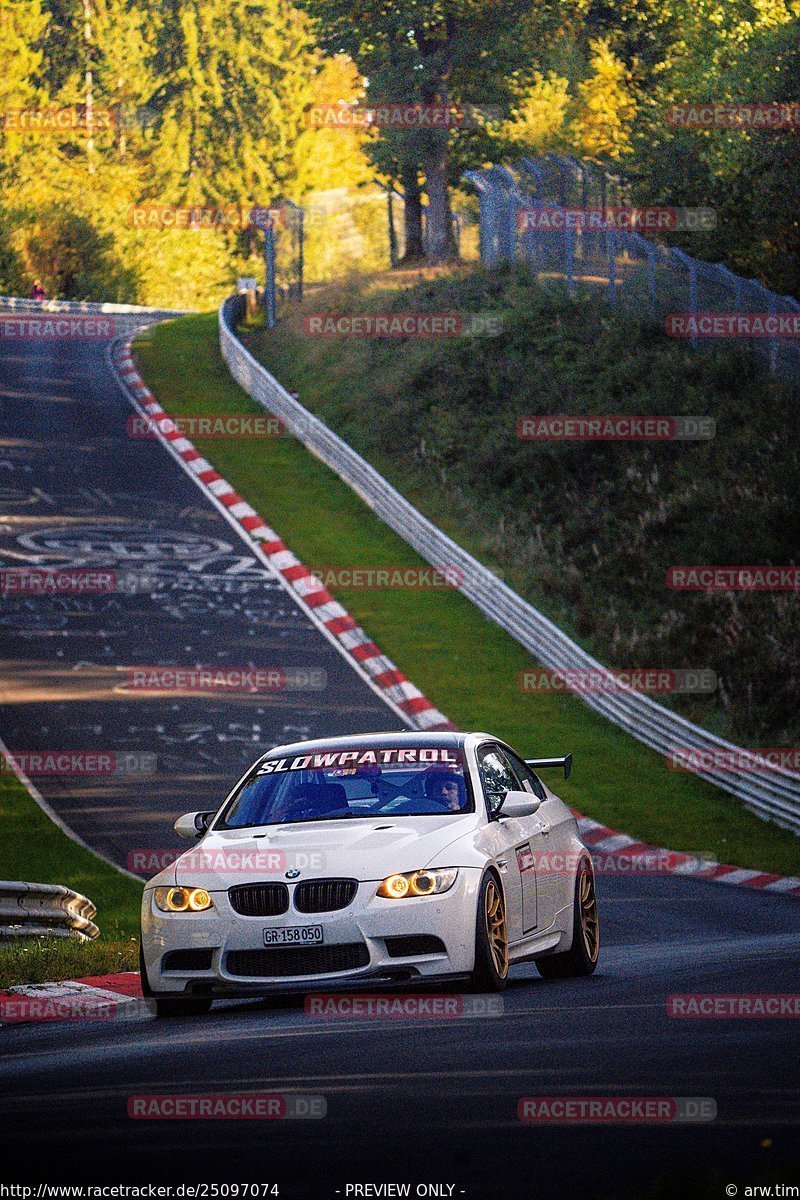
(590, 926)
(495, 916)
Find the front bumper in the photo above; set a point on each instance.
(365, 923)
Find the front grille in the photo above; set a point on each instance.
(187, 960)
(414, 944)
(297, 960)
(324, 895)
(259, 899)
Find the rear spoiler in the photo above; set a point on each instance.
(540, 763)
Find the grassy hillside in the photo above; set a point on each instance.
(586, 530)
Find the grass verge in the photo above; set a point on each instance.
(33, 848)
(466, 665)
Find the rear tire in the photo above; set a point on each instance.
(167, 1005)
(583, 954)
(490, 973)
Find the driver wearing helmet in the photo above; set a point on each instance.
(446, 789)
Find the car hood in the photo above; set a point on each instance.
(359, 848)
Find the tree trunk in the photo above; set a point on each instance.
(412, 202)
(441, 245)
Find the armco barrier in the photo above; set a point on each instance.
(88, 306)
(774, 795)
(34, 909)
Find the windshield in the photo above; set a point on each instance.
(327, 786)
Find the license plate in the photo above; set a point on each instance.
(294, 935)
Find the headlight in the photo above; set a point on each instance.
(182, 899)
(418, 883)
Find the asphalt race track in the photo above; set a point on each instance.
(80, 492)
(427, 1101)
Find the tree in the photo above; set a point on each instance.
(605, 106)
(451, 54)
(539, 118)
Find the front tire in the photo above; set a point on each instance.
(490, 973)
(170, 1006)
(582, 956)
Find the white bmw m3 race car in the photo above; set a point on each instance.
(377, 858)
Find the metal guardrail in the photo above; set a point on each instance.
(774, 795)
(88, 306)
(37, 909)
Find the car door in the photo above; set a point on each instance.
(514, 855)
(549, 842)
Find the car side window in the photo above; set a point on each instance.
(496, 777)
(528, 780)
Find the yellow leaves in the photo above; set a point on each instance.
(605, 105)
(538, 120)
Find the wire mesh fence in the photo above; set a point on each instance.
(563, 217)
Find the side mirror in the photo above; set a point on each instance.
(519, 804)
(192, 825)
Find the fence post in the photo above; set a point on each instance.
(301, 218)
(611, 247)
(269, 265)
(691, 266)
(651, 280)
(693, 295)
(773, 341)
(296, 286)
(569, 247)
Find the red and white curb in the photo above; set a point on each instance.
(307, 588)
(625, 853)
(94, 998)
